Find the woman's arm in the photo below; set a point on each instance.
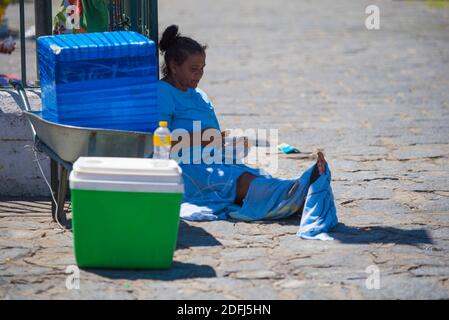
(213, 138)
(208, 137)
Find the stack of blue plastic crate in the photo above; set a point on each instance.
(99, 80)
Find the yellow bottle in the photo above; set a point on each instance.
(162, 141)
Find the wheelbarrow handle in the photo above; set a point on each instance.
(19, 88)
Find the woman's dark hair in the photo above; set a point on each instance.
(177, 48)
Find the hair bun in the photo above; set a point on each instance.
(169, 37)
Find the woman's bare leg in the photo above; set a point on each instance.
(243, 183)
(245, 179)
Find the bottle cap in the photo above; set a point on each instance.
(163, 124)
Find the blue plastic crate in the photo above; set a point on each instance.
(99, 80)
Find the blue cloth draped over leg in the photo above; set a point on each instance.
(319, 215)
(276, 199)
(210, 190)
(269, 198)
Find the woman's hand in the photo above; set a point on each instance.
(241, 146)
(207, 138)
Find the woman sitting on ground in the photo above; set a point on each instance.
(220, 190)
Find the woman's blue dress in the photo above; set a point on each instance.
(204, 184)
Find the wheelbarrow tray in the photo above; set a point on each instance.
(64, 144)
(70, 142)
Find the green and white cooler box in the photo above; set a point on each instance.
(125, 212)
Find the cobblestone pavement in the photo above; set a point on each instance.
(377, 102)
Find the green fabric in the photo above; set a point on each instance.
(95, 16)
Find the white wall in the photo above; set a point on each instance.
(19, 172)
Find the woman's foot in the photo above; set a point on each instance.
(320, 167)
(321, 163)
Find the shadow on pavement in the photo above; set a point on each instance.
(380, 234)
(191, 236)
(179, 270)
(293, 220)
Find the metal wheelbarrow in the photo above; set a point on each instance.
(64, 144)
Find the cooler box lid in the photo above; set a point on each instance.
(126, 174)
(97, 45)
